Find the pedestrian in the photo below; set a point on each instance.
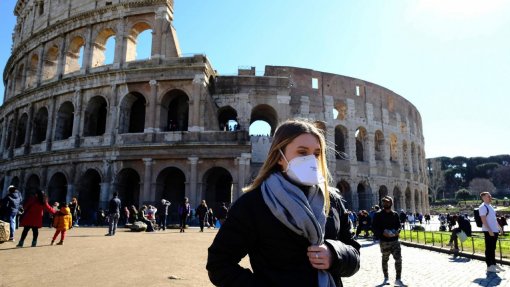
(387, 227)
(403, 219)
(365, 223)
(201, 213)
(113, 214)
(133, 214)
(184, 213)
(291, 224)
(125, 215)
(427, 218)
(163, 213)
(210, 218)
(464, 226)
(490, 228)
(33, 216)
(55, 207)
(74, 207)
(10, 207)
(222, 213)
(62, 222)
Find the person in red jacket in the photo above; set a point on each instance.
(32, 218)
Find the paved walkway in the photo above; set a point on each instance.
(425, 268)
(170, 258)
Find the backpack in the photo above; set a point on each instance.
(478, 219)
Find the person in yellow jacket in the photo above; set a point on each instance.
(63, 221)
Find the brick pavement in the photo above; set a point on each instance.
(425, 268)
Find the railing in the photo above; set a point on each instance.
(472, 245)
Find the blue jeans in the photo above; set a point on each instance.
(12, 223)
(113, 221)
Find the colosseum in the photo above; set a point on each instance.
(170, 126)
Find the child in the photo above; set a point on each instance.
(62, 222)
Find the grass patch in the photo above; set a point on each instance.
(474, 244)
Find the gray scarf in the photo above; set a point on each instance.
(303, 215)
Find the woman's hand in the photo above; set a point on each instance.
(320, 256)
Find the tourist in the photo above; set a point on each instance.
(387, 228)
(464, 226)
(10, 207)
(163, 213)
(63, 221)
(74, 207)
(33, 216)
(133, 214)
(184, 213)
(113, 214)
(201, 213)
(142, 216)
(290, 223)
(490, 228)
(364, 223)
(222, 212)
(211, 220)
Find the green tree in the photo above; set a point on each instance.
(462, 194)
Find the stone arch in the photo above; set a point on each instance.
(364, 196)
(408, 199)
(21, 130)
(405, 155)
(18, 79)
(175, 111)
(345, 190)
(361, 143)
(127, 184)
(265, 113)
(341, 109)
(32, 185)
(99, 47)
(171, 185)
(218, 187)
(379, 145)
(383, 191)
(64, 122)
(393, 148)
(89, 191)
(50, 63)
(74, 56)
(132, 40)
(95, 117)
(341, 146)
(397, 199)
(31, 80)
(15, 181)
(227, 118)
(57, 187)
(132, 113)
(40, 126)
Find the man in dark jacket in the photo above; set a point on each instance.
(464, 226)
(113, 214)
(10, 207)
(201, 213)
(387, 227)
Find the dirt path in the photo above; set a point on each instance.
(89, 258)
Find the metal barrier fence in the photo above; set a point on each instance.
(441, 239)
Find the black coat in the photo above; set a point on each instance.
(278, 256)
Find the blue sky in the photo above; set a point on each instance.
(450, 58)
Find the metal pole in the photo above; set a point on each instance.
(473, 243)
(441, 236)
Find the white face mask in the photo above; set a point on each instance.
(304, 170)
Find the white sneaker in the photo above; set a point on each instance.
(498, 267)
(399, 282)
(492, 269)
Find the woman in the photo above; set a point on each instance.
(75, 211)
(184, 213)
(289, 222)
(33, 216)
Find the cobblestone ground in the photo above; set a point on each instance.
(170, 258)
(425, 268)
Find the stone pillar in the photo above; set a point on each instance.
(244, 168)
(61, 58)
(13, 133)
(105, 195)
(51, 119)
(111, 120)
(119, 57)
(151, 127)
(40, 65)
(304, 108)
(195, 121)
(192, 192)
(5, 131)
(147, 196)
(157, 34)
(87, 51)
(78, 95)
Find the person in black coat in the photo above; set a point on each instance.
(201, 213)
(464, 225)
(290, 223)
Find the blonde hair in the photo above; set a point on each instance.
(285, 134)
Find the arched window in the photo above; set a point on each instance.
(95, 117)
(65, 119)
(175, 111)
(50, 63)
(227, 119)
(40, 126)
(74, 57)
(21, 131)
(32, 71)
(132, 113)
(340, 142)
(264, 113)
(379, 145)
(139, 42)
(361, 142)
(104, 48)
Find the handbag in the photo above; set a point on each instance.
(462, 236)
